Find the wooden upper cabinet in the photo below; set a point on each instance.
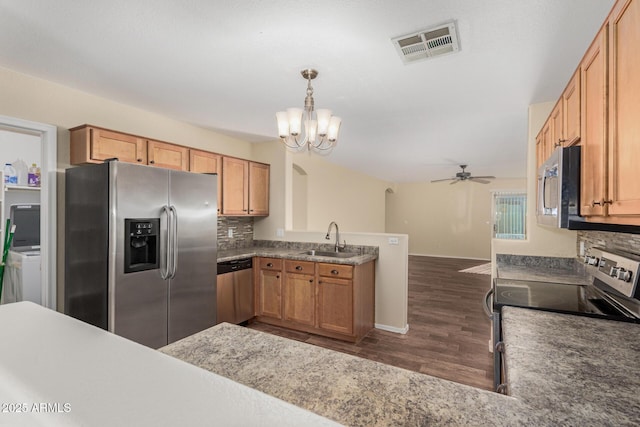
(571, 110)
(206, 162)
(258, 188)
(245, 187)
(547, 145)
(556, 127)
(593, 71)
(91, 144)
(624, 108)
(235, 186)
(169, 156)
(539, 150)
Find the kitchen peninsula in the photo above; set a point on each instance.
(253, 378)
(553, 384)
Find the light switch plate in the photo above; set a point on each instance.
(394, 241)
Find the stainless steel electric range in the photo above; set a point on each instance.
(613, 294)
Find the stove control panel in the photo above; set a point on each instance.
(617, 269)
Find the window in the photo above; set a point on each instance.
(509, 215)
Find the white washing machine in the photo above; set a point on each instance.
(22, 278)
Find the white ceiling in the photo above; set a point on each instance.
(230, 65)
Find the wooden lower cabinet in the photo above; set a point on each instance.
(333, 300)
(268, 288)
(300, 292)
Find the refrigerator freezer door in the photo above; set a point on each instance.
(138, 300)
(192, 289)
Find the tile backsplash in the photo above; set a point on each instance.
(242, 229)
(621, 241)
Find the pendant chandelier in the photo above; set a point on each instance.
(320, 127)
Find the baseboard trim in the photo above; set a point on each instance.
(392, 328)
(450, 256)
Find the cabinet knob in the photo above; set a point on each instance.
(244, 210)
(298, 267)
(139, 160)
(151, 162)
(277, 276)
(269, 264)
(334, 271)
(310, 280)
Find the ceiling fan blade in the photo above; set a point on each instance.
(440, 180)
(455, 181)
(484, 177)
(478, 180)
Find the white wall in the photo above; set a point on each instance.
(541, 241)
(446, 220)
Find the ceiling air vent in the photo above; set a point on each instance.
(425, 44)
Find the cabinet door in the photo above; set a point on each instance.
(205, 162)
(547, 146)
(107, 145)
(624, 108)
(235, 186)
(335, 305)
(539, 150)
(557, 126)
(593, 71)
(571, 105)
(168, 156)
(300, 298)
(258, 189)
(270, 294)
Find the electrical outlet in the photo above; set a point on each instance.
(582, 248)
(230, 233)
(394, 240)
(280, 232)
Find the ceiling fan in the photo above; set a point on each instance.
(466, 176)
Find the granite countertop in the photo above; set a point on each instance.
(541, 269)
(294, 253)
(347, 389)
(559, 373)
(572, 369)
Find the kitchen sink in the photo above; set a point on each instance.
(330, 254)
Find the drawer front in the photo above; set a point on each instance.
(270, 264)
(303, 267)
(335, 270)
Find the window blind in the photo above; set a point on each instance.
(510, 214)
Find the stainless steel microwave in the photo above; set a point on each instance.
(559, 188)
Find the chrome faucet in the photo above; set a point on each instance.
(338, 245)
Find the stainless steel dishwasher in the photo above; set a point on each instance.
(235, 291)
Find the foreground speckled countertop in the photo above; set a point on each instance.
(562, 370)
(344, 388)
(575, 370)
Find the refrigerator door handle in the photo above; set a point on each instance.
(174, 241)
(164, 273)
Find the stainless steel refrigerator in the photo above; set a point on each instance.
(140, 250)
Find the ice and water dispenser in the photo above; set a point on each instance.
(142, 244)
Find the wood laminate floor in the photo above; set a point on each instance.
(448, 331)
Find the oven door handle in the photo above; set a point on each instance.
(486, 305)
